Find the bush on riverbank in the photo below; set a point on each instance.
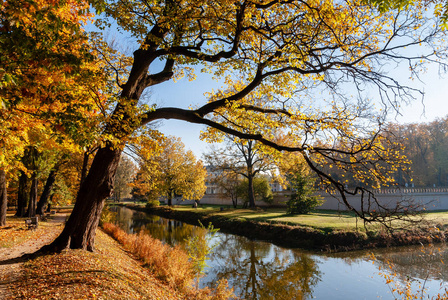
(170, 264)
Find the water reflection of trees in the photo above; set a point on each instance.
(422, 262)
(256, 270)
(260, 270)
(417, 262)
(171, 232)
(124, 218)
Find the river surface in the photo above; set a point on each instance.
(261, 270)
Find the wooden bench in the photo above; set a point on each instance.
(32, 222)
(44, 217)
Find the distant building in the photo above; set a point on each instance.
(275, 186)
(212, 187)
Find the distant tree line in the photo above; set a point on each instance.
(424, 151)
(426, 146)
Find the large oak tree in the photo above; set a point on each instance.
(269, 54)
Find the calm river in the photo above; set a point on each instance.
(261, 270)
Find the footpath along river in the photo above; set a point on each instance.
(261, 270)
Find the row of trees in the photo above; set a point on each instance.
(296, 69)
(171, 170)
(50, 83)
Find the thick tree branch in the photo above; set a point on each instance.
(193, 117)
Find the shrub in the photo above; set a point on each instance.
(302, 200)
(152, 203)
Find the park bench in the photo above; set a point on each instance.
(45, 216)
(32, 222)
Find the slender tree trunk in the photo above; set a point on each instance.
(31, 212)
(80, 229)
(3, 198)
(234, 200)
(250, 191)
(22, 195)
(43, 201)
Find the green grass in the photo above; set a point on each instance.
(320, 219)
(437, 217)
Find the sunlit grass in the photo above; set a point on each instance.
(319, 219)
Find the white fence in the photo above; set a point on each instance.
(429, 199)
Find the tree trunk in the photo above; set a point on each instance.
(43, 201)
(85, 164)
(22, 195)
(80, 229)
(31, 212)
(170, 198)
(250, 191)
(49, 204)
(234, 200)
(3, 198)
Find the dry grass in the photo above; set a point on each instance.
(169, 264)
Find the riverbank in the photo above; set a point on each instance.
(306, 237)
(110, 272)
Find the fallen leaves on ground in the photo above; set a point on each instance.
(108, 273)
(16, 232)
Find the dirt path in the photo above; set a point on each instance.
(10, 262)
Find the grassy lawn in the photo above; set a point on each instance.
(437, 217)
(319, 219)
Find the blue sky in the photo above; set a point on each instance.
(184, 93)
